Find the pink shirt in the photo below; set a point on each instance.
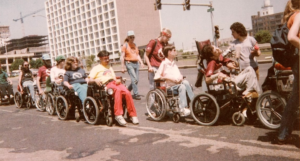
(170, 71)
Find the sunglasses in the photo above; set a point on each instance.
(25, 65)
(131, 37)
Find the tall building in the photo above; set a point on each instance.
(266, 19)
(84, 27)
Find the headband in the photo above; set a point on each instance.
(165, 34)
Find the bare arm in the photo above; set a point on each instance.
(20, 81)
(140, 60)
(123, 61)
(38, 84)
(292, 36)
(148, 62)
(67, 84)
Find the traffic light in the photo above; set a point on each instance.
(217, 32)
(187, 4)
(157, 5)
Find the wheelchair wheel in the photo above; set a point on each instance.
(156, 105)
(50, 104)
(269, 109)
(205, 109)
(40, 103)
(91, 111)
(176, 117)
(238, 119)
(108, 118)
(18, 100)
(62, 108)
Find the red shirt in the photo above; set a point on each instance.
(157, 56)
(215, 65)
(43, 72)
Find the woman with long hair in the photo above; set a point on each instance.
(131, 58)
(26, 79)
(292, 18)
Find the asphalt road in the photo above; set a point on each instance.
(32, 135)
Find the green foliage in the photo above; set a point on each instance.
(15, 65)
(263, 36)
(93, 57)
(36, 63)
(90, 60)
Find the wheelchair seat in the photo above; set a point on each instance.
(175, 92)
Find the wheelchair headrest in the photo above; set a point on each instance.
(200, 45)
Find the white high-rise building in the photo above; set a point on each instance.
(84, 27)
(267, 8)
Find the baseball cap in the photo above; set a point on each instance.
(130, 33)
(46, 57)
(59, 58)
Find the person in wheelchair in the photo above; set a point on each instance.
(246, 80)
(104, 74)
(169, 72)
(26, 80)
(5, 85)
(58, 71)
(76, 78)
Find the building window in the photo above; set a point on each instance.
(108, 31)
(99, 10)
(91, 36)
(95, 27)
(94, 12)
(113, 22)
(105, 7)
(89, 14)
(106, 15)
(111, 5)
(100, 18)
(99, 2)
(112, 13)
(93, 4)
(107, 23)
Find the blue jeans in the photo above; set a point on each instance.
(290, 112)
(184, 89)
(81, 90)
(29, 84)
(151, 77)
(133, 71)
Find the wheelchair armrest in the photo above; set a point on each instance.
(285, 72)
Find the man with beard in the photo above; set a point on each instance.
(43, 74)
(26, 79)
(5, 84)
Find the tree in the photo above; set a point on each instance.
(263, 36)
(36, 63)
(15, 65)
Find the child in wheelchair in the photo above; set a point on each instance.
(174, 81)
(104, 74)
(245, 81)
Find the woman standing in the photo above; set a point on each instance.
(26, 79)
(131, 58)
(292, 18)
(154, 55)
(246, 47)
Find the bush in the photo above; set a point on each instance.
(263, 36)
(15, 65)
(36, 63)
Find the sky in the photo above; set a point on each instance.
(186, 26)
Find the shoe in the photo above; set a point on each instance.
(152, 113)
(184, 112)
(11, 96)
(289, 139)
(187, 112)
(120, 119)
(134, 120)
(136, 97)
(5, 97)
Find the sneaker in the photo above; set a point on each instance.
(136, 97)
(184, 112)
(11, 96)
(120, 119)
(288, 140)
(134, 120)
(5, 97)
(187, 111)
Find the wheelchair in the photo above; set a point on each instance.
(277, 87)
(100, 103)
(7, 100)
(221, 98)
(40, 101)
(162, 99)
(24, 99)
(56, 90)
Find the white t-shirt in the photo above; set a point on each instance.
(56, 72)
(246, 58)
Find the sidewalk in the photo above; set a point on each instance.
(191, 63)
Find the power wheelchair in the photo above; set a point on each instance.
(220, 98)
(7, 100)
(277, 87)
(162, 99)
(100, 103)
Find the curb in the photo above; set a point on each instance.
(195, 66)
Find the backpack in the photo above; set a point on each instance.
(283, 51)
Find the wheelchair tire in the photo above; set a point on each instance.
(176, 117)
(18, 100)
(109, 121)
(50, 105)
(40, 103)
(205, 109)
(91, 111)
(156, 107)
(238, 119)
(62, 108)
(269, 108)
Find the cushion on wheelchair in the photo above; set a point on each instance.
(175, 92)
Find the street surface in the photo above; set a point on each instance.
(32, 135)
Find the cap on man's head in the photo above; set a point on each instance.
(130, 33)
(59, 58)
(46, 57)
(103, 53)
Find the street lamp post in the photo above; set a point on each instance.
(7, 35)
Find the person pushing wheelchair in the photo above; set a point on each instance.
(104, 74)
